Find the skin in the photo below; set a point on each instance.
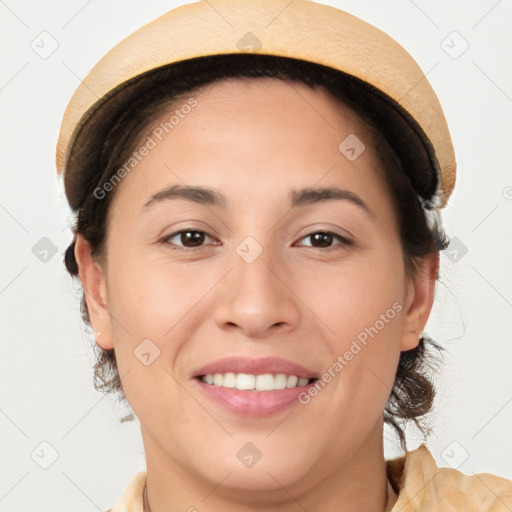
(255, 140)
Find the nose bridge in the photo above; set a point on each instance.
(253, 297)
(254, 280)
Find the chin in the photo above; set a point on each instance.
(257, 465)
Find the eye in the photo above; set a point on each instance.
(187, 239)
(325, 239)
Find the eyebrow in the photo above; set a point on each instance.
(311, 195)
(200, 195)
(300, 197)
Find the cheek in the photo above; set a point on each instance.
(154, 312)
(152, 297)
(361, 313)
(361, 300)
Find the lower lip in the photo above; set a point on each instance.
(253, 403)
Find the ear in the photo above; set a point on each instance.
(93, 281)
(419, 300)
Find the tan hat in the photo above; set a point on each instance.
(300, 29)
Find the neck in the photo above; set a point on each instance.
(360, 484)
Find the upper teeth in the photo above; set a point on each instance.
(245, 381)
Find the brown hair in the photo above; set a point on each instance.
(413, 392)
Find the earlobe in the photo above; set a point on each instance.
(93, 281)
(419, 301)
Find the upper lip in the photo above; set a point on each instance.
(255, 366)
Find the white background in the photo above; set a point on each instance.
(46, 389)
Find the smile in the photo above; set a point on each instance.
(259, 387)
(248, 382)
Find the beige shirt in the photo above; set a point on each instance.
(421, 486)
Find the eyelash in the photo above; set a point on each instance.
(166, 240)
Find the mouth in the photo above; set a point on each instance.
(254, 387)
(249, 382)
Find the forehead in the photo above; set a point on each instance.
(250, 134)
(287, 100)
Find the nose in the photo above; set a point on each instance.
(257, 299)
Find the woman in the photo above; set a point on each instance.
(257, 189)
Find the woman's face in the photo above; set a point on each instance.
(243, 278)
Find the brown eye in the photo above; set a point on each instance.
(321, 239)
(325, 240)
(192, 238)
(187, 238)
